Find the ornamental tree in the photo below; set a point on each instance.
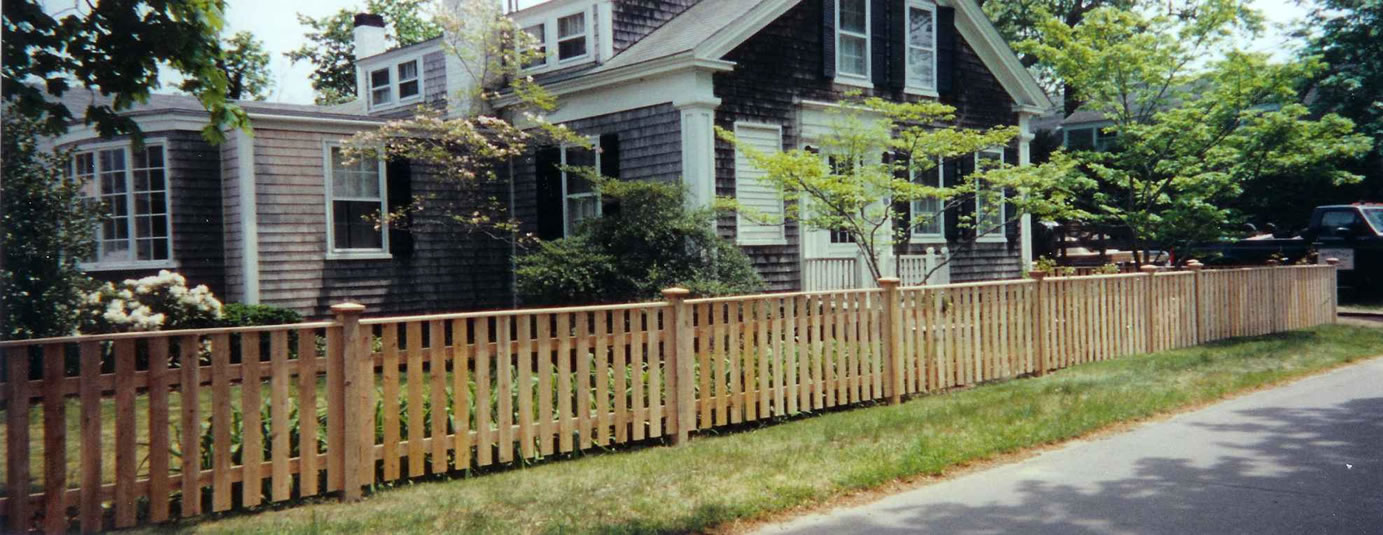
(1195, 120)
(873, 153)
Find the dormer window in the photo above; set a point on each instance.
(921, 46)
(395, 84)
(852, 39)
(564, 38)
(571, 37)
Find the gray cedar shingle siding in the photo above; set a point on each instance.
(446, 271)
(650, 148)
(435, 79)
(781, 66)
(634, 19)
(192, 171)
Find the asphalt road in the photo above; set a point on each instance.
(1303, 458)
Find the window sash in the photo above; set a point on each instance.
(381, 87)
(579, 201)
(930, 206)
(921, 57)
(408, 81)
(571, 41)
(854, 65)
(346, 210)
(989, 222)
(135, 226)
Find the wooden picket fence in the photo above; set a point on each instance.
(144, 427)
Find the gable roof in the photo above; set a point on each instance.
(712, 28)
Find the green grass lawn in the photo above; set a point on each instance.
(740, 476)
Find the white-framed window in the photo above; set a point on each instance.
(396, 84)
(580, 199)
(135, 229)
(852, 40)
(921, 46)
(356, 199)
(767, 227)
(841, 166)
(1090, 138)
(988, 219)
(929, 221)
(565, 38)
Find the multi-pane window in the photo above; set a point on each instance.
(927, 216)
(355, 201)
(132, 189)
(571, 37)
(841, 167)
(921, 45)
(852, 38)
(538, 41)
(989, 203)
(581, 201)
(401, 79)
(408, 79)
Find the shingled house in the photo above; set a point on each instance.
(275, 215)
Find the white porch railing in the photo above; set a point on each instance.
(913, 269)
(846, 273)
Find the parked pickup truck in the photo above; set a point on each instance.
(1353, 233)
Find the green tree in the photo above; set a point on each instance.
(1345, 35)
(651, 242)
(860, 192)
(114, 47)
(331, 49)
(1195, 119)
(246, 65)
(47, 227)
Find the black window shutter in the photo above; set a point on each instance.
(609, 168)
(398, 179)
(549, 209)
(898, 46)
(828, 39)
(902, 208)
(945, 49)
(882, 45)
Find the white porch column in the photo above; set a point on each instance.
(698, 148)
(1025, 137)
(249, 215)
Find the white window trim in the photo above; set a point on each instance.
(392, 66)
(98, 265)
(907, 45)
(999, 236)
(866, 80)
(928, 237)
(740, 222)
(550, 40)
(333, 253)
(567, 197)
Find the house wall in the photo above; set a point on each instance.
(781, 66)
(193, 171)
(634, 19)
(447, 269)
(650, 148)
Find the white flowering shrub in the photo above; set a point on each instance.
(158, 302)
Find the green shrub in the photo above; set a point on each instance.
(646, 241)
(243, 315)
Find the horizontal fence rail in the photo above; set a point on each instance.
(114, 431)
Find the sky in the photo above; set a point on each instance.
(275, 23)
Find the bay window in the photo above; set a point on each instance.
(132, 188)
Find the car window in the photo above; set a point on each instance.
(1335, 219)
(1375, 216)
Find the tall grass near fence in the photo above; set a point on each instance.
(272, 414)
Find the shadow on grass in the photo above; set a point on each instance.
(1276, 470)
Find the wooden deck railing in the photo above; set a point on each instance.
(117, 430)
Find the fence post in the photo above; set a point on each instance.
(1334, 289)
(355, 385)
(893, 334)
(681, 402)
(1148, 297)
(1195, 266)
(1040, 321)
